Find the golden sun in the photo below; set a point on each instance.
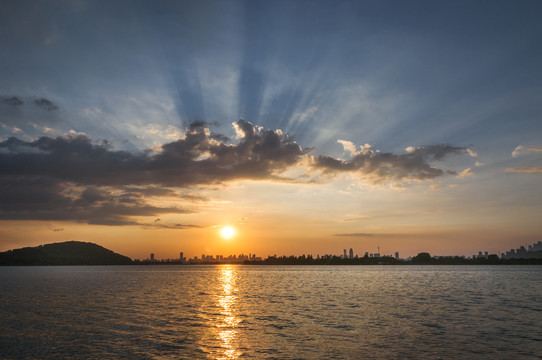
(227, 232)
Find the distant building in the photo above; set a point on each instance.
(397, 255)
(351, 253)
(532, 251)
(344, 256)
(152, 256)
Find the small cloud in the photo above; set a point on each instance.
(354, 235)
(58, 229)
(348, 146)
(156, 148)
(45, 104)
(157, 220)
(465, 173)
(194, 198)
(523, 150)
(472, 153)
(479, 164)
(11, 100)
(435, 186)
(517, 151)
(72, 132)
(410, 149)
(525, 170)
(242, 220)
(178, 226)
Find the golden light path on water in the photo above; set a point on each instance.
(228, 323)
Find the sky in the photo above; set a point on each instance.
(308, 127)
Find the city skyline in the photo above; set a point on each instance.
(219, 126)
(520, 252)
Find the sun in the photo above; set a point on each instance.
(227, 232)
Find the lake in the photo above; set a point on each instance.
(271, 312)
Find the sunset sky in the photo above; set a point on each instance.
(305, 126)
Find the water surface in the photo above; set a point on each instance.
(271, 312)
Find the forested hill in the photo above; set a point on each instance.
(65, 253)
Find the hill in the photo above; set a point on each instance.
(65, 253)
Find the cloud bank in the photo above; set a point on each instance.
(377, 166)
(199, 158)
(72, 178)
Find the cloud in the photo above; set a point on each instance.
(16, 101)
(196, 159)
(527, 170)
(178, 226)
(199, 158)
(378, 166)
(472, 153)
(58, 229)
(523, 150)
(44, 198)
(11, 100)
(150, 191)
(45, 104)
(71, 178)
(465, 173)
(354, 235)
(348, 146)
(351, 148)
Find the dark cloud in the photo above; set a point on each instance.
(44, 198)
(71, 178)
(378, 166)
(45, 104)
(11, 100)
(92, 195)
(58, 229)
(177, 226)
(150, 191)
(193, 198)
(196, 159)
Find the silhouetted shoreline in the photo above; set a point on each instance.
(360, 261)
(83, 253)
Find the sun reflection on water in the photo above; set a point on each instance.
(228, 322)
